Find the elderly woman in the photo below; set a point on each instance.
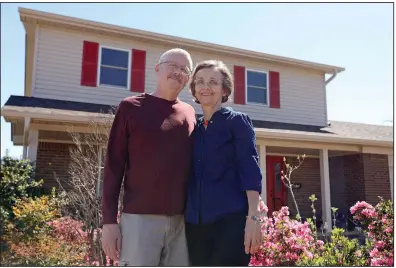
(222, 214)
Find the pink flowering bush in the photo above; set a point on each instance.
(378, 226)
(39, 236)
(67, 229)
(286, 241)
(289, 242)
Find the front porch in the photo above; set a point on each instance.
(338, 174)
(345, 162)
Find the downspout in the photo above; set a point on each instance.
(326, 83)
(332, 77)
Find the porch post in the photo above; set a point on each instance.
(25, 136)
(33, 144)
(263, 166)
(391, 166)
(325, 188)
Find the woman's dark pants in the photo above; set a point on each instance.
(219, 243)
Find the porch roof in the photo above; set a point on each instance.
(336, 130)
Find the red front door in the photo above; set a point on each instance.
(276, 190)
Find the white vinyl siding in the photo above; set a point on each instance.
(58, 76)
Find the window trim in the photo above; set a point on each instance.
(100, 65)
(246, 87)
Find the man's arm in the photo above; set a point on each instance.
(116, 158)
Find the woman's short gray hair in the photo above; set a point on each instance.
(228, 81)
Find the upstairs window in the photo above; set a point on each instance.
(257, 87)
(114, 66)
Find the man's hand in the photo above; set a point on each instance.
(253, 236)
(111, 241)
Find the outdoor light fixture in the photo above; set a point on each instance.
(296, 185)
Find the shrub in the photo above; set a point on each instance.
(339, 251)
(286, 241)
(378, 226)
(38, 235)
(31, 215)
(17, 180)
(45, 250)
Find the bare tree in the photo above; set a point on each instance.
(286, 179)
(83, 187)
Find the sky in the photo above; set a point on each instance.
(356, 36)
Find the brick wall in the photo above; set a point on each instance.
(338, 189)
(358, 177)
(353, 178)
(376, 177)
(52, 160)
(308, 174)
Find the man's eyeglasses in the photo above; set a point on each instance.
(174, 66)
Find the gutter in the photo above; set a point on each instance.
(51, 114)
(87, 117)
(325, 87)
(309, 137)
(332, 77)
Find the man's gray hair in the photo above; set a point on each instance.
(180, 51)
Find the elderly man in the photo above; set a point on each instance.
(150, 147)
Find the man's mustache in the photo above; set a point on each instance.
(176, 77)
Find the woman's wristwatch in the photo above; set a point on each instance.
(255, 218)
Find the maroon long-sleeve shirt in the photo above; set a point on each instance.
(150, 142)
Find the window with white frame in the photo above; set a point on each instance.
(114, 67)
(257, 87)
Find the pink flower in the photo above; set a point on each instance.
(369, 213)
(374, 262)
(263, 207)
(309, 254)
(374, 253)
(361, 205)
(380, 244)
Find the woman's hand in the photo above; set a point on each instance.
(253, 235)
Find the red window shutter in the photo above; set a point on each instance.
(274, 90)
(239, 85)
(89, 69)
(138, 72)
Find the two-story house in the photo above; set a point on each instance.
(69, 79)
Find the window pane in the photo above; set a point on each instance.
(113, 57)
(113, 77)
(256, 79)
(257, 95)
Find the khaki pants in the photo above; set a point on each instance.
(153, 240)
